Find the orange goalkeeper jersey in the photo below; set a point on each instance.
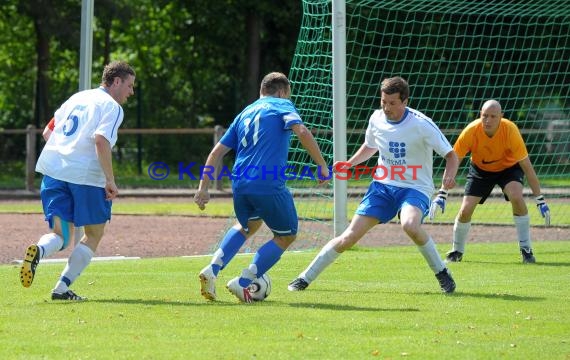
(496, 153)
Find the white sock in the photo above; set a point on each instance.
(431, 255)
(522, 223)
(50, 244)
(250, 272)
(323, 259)
(460, 232)
(77, 262)
(217, 258)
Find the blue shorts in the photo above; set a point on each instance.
(383, 202)
(79, 204)
(276, 210)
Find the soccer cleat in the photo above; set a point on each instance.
(208, 283)
(299, 284)
(527, 256)
(238, 291)
(28, 268)
(68, 295)
(445, 281)
(454, 256)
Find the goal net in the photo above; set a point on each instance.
(455, 54)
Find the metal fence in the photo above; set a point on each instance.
(31, 133)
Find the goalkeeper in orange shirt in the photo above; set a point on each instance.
(498, 157)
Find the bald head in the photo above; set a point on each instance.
(492, 105)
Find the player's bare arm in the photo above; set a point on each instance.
(450, 172)
(531, 176)
(448, 182)
(48, 129)
(202, 197)
(104, 154)
(308, 141)
(46, 133)
(362, 154)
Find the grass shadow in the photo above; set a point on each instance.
(538, 263)
(325, 306)
(494, 296)
(322, 306)
(158, 302)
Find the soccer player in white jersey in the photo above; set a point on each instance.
(78, 184)
(402, 185)
(78, 231)
(260, 135)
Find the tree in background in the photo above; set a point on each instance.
(197, 62)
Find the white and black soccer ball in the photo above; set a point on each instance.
(260, 288)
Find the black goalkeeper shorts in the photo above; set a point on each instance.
(480, 183)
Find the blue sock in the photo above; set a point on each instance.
(232, 242)
(264, 259)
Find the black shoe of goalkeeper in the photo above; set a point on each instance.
(454, 256)
(527, 256)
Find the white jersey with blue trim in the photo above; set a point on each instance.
(69, 154)
(406, 149)
(260, 136)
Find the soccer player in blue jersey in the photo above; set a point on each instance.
(260, 136)
(78, 183)
(405, 140)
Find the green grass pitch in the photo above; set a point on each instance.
(379, 303)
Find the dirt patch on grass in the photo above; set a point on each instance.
(159, 236)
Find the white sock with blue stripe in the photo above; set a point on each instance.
(77, 262)
(49, 244)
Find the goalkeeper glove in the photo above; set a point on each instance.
(543, 208)
(439, 201)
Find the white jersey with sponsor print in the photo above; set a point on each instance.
(406, 149)
(69, 154)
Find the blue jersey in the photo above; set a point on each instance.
(260, 135)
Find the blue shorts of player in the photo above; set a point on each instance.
(79, 204)
(276, 210)
(383, 202)
(480, 183)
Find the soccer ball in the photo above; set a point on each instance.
(260, 288)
